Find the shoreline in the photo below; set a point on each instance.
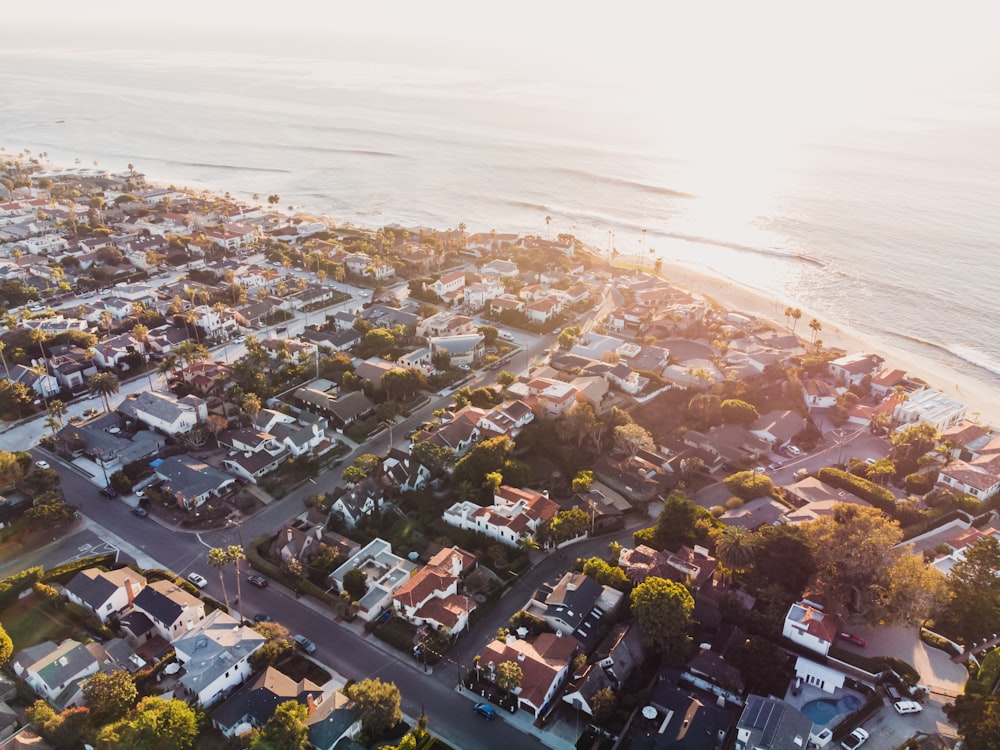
(981, 404)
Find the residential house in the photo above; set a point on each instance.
(55, 671)
(734, 444)
(851, 369)
(771, 724)
(71, 366)
(886, 381)
(449, 288)
(301, 440)
(479, 294)
(611, 664)
(819, 394)
(514, 515)
(502, 268)
(543, 310)
(256, 701)
(354, 503)
(778, 427)
(164, 338)
(421, 359)
(431, 595)
(44, 385)
(403, 472)
(105, 592)
(466, 349)
(445, 323)
(683, 720)
(574, 606)
(111, 353)
(970, 478)
(165, 412)
(544, 666)
(959, 544)
(215, 655)
(506, 303)
(171, 611)
(207, 378)
(386, 572)
(190, 481)
(252, 454)
(807, 625)
(814, 499)
(333, 341)
(762, 511)
(931, 407)
(689, 565)
(343, 410)
(372, 370)
(334, 724)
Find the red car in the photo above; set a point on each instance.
(857, 640)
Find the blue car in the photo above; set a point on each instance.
(485, 710)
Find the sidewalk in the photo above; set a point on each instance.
(523, 721)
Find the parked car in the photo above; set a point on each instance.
(855, 739)
(857, 640)
(141, 512)
(485, 710)
(304, 643)
(907, 707)
(262, 617)
(42, 464)
(197, 580)
(258, 581)
(794, 450)
(109, 492)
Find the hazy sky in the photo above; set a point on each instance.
(799, 57)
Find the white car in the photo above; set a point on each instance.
(197, 580)
(794, 450)
(42, 464)
(907, 707)
(855, 739)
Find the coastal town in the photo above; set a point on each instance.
(271, 481)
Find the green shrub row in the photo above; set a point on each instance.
(398, 633)
(880, 497)
(12, 587)
(934, 640)
(64, 573)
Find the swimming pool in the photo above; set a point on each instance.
(823, 710)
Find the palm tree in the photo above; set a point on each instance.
(234, 554)
(788, 317)
(57, 410)
(191, 318)
(218, 559)
(169, 364)
(815, 326)
(191, 353)
(796, 314)
(548, 222)
(734, 549)
(42, 371)
(140, 333)
(4, 359)
(104, 384)
(105, 319)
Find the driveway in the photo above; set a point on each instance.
(937, 670)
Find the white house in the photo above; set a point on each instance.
(810, 627)
(929, 406)
(171, 610)
(51, 668)
(515, 514)
(354, 503)
(478, 294)
(824, 677)
(851, 369)
(165, 413)
(386, 574)
(419, 359)
(971, 479)
(431, 595)
(105, 592)
(466, 349)
(216, 656)
(544, 666)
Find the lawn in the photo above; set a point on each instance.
(30, 621)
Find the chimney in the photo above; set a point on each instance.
(310, 703)
(520, 657)
(129, 592)
(511, 639)
(288, 534)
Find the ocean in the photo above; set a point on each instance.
(886, 224)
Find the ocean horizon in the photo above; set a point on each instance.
(887, 226)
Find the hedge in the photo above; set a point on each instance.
(12, 587)
(934, 640)
(880, 497)
(65, 572)
(398, 633)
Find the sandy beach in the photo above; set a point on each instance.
(982, 404)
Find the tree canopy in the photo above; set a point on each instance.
(735, 411)
(6, 647)
(749, 485)
(864, 575)
(155, 724)
(110, 695)
(486, 457)
(974, 606)
(662, 609)
(377, 703)
(285, 730)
